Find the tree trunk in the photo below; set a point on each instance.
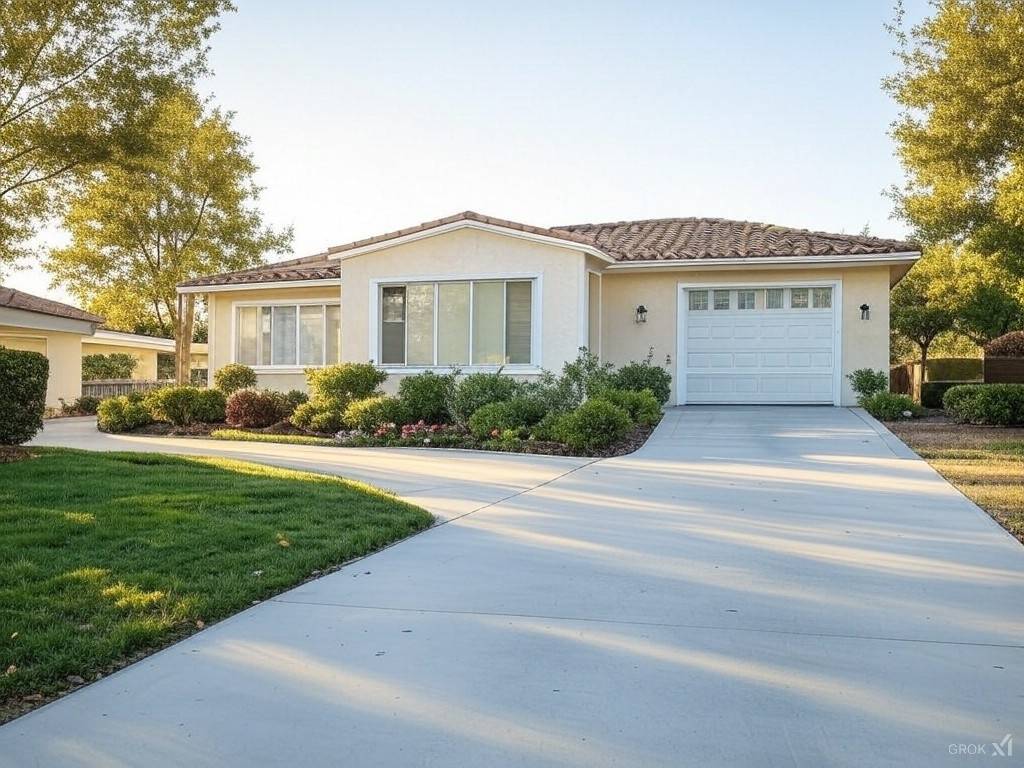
(919, 381)
(183, 338)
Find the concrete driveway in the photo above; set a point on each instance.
(756, 586)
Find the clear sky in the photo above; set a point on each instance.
(371, 116)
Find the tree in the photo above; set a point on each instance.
(75, 79)
(960, 135)
(185, 208)
(915, 313)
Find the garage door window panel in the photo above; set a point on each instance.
(723, 300)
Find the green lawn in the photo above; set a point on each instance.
(985, 463)
(108, 555)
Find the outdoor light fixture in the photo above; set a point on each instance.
(865, 312)
(641, 314)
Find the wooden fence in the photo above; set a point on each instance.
(102, 388)
(1004, 370)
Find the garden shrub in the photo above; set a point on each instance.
(991, 404)
(293, 399)
(210, 406)
(178, 405)
(516, 415)
(122, 414)
(549, 428)
(867, 381)
(116, 365)
(932, 392)
(254, 408)
(234, 376)
(426, 396)
(372, 412)
(594, 425)
(333, 388)
(480, 389)
(23, 377)
(643, 406)
(85, 405)
(1008, 345)
(638, 376)
(888, 406)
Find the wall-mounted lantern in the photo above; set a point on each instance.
(641, 314)
(865, 312)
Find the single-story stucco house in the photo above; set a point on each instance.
(738, 312)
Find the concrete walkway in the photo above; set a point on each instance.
(756, 586)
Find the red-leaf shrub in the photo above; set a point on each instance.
(253, 408)
(1008, 345)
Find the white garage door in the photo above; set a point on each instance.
(758, 345)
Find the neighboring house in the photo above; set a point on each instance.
(145, 349)
(738, 312)
(56, 330)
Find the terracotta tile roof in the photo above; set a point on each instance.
(464, 216)
(316, 267)
(695, 238)
(15, 299)
(648, 240)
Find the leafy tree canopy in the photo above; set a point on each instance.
(960, 135)
(76, 80)
(183, 209)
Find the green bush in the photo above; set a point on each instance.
(516, 415)
(372, 412)
(426, 396)
(234, 376)
(23, 378)
(122, 414)
(345, 382)
(480, 389)
(549, 428)
(888, 406)
(293, 399)
(116, 365)
(180, 406)
(991, 404)
(643, 407)
(323, 416)
(867, 381)
(638, 376)
(594, 425)
(210, 406)
(932, 392)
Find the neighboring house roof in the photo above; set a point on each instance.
(683, 239)
(15, 299)
(316, 267)
(122, 339)
(693, 239)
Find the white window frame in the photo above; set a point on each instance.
(682, 307)
(375, 325)
(296, 303)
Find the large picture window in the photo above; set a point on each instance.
(479, 322)
(288, 335)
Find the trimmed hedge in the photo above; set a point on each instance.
(371, 413)
(234, 376)
(888, 406)
(480, 389)
(932, 392)
(426, 396)
(1008, 345)
(116, 365)
(23, 377)
(594, 425)
(989, 404)
(518, 414)
(121, 414)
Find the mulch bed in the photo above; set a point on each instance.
(936, 430)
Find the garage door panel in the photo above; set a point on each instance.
(759, 355)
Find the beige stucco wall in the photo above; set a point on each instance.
(219, 349)
(146, 358)
(471, 253)
(865, 343)
(62, 349)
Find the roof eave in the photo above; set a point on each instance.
(859, 259)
